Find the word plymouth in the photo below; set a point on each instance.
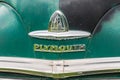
(59, 49)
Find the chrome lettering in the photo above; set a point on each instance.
(59, 49)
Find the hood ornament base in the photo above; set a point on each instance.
(58, 29)
(44, 34)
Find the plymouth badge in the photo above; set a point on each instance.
(58, 29)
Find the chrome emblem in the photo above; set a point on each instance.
(60, 48)
(58, 29)
(58, 22)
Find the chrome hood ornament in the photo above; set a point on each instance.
(58, 29)
(58, 22)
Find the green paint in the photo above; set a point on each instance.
(106, 43)
(62, 55)
(25, 16)
(13, 35)
(19, 17)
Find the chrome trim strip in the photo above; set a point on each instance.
(71, 34)
(60, 68)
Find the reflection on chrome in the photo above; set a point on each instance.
(50, 68)
(58, 22)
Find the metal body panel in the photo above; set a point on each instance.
(85, 14)
(35, 14)
(106, 42)
(100, 51)
(13, 35)
(60, 68)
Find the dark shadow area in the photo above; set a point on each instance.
(85, 14)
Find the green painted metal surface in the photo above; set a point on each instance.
(13, 35)
(35, 14)
(19, 17)
(106, 43)
(32, 16)
(64, 55)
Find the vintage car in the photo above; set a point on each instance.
(54, 39)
